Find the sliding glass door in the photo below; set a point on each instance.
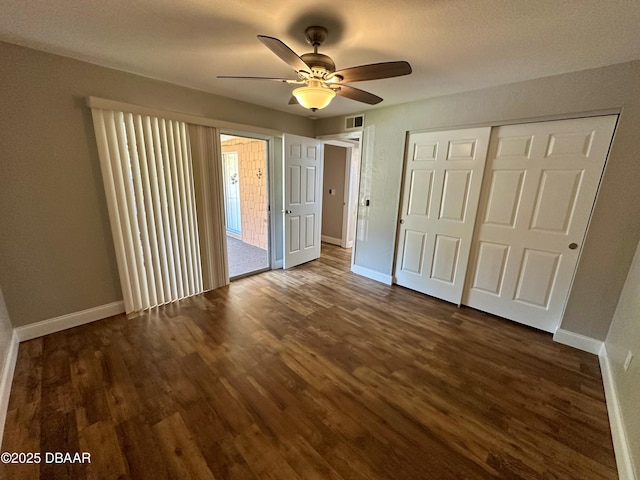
(246, 204)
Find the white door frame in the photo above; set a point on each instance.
(352, 141)
(351, 162)
(346, 201)
(228, 208)
(274, 263)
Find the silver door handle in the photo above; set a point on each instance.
(401, 221)
(286, 211)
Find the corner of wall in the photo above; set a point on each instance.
(6, 379)
(618, 431)
(576, 340)
(28, 332)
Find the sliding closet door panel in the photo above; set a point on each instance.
(538, 192)
(441, 187)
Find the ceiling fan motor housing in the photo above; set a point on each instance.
(315, 36)
(319, 60)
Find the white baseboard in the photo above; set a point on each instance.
(332, 240)
(575, 340)
(372, 274)
(8, 368)
(618, 433)
(278, 264)
(71, 320)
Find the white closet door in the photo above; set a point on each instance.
(303, 161)
(442, 180)
(537, 196)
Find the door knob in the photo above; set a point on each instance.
(401, 221)
(573, 246)
(286, 211)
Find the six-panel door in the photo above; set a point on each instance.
(302, 199)
(442, 180)
(537, 196)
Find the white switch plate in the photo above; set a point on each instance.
(627, 361)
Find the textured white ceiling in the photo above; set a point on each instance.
(452, 45)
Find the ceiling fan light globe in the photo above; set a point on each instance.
(314, 97)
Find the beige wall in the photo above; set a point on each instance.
(332, 205)
(615, 226)
(6, 332)
(623, 337)
(56, 253)
(253, 189)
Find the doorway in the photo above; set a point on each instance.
(303, 193)
(341, 177)
(339, 198)
(246, 205)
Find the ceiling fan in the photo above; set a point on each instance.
(317, 75)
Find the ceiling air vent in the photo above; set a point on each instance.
(355, 122)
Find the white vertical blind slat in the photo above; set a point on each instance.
(154, 276)
(184, 206)
(164, 203)
(178, 205)
(191, 208)
(147, 172)
(181, 200)
(120, 164)
(147, 284)
(165, 135)
(182, 160)
(164, 291)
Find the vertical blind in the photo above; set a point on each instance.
(207, 169)
(148, 179)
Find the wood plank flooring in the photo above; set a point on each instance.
(311, 373)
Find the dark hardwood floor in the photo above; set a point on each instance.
(311, 373)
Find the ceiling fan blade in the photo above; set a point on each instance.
(375, 71)
(293, 100)
(290, 57)
(254, 78)
(358, 95)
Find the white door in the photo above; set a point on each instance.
(232, 192)
(302, 199)
(442, 180)
(536, 201)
